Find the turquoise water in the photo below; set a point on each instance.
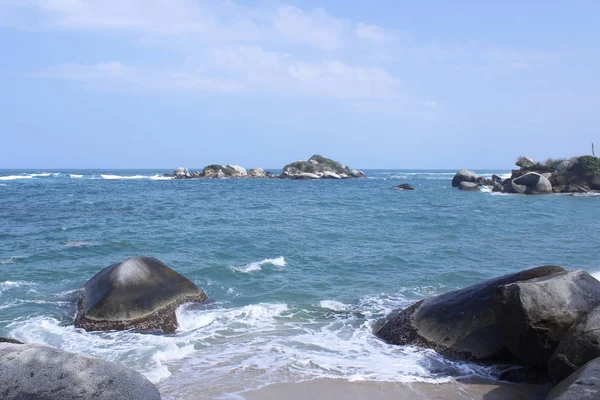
(297, 271)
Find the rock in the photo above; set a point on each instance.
(256, 173)
(496, 178)
(331, 175)
(524, 162)
(464, 175)
(534, 315)
(8, 340)
(563, 166)
(34, 371)
(525, 375)
(460, 323)
(404, 186)
(357, 174)
(138, 293)
(319, 165)
(307, 175)
(584, 384)
(532, 183)
(220, 174)
(240, 171)
(580, 345)
(469, 186)
(181, 173)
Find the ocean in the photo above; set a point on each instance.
(298, 272)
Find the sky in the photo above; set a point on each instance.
(373, 84)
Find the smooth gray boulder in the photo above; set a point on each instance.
(580, 345)
(533, 183)
(584, 384)
(469, 187)
(38, 372)
(256, 173)
(461, 323)
(534, 315)
(464, 175)
(524, 162)
(138, 293)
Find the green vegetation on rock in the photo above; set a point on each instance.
(587, 165)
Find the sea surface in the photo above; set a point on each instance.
(298, 272)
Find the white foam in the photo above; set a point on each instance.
(80, 244)
(76, 175)
(160, 178)
(333, 305)
(257, 266)
(486, 189)
(14, 177)
(42, 175)
(114, 177)
(595, 274)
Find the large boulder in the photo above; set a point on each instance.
(240, 171)
(138, 293)
(469, 187)
(38, 372)
(223, 171)
(534, 315)
(524, 162)
(181, 173)
(464, 175)
(532, 183)
(580, 345)
(460, 323)
(582, 385)
(256, 173)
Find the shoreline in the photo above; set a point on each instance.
(324, 388)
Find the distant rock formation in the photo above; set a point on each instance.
(404, 186)
(577, 175)
(317, 167)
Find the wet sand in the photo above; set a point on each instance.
(338, 389)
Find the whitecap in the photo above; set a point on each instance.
(42, 175)
(114, 177)
(161, 178)
(80, 244)
(76, 175)
(333, 305)
(257, 266)
(486, 189)
(14, 177)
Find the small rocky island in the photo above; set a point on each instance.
(576, 175)
(316, 167)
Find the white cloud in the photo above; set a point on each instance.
(371, 33)
(316, 27)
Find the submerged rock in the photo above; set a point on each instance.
(464, 175)
(580, 345)
(34, 371)
(404, 186)
(534, 315)
(138, 293)
(460, 323)
(584, 384)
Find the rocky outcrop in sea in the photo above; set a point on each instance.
(316, 167)
(577, 175)
(545, 318)
(139, 293)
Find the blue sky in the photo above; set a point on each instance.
(378, 84)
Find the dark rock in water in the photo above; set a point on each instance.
(469, 187)
(404, 186)
(8, 340)
(138, 293)
(464, 175)
(496, 178)
(34, 371)
(534, 315)
(584, 384)
(532, 183)
(460, 323)
(529, 375)
(580, 345)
